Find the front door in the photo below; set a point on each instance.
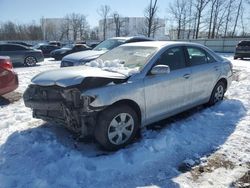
(166, 93)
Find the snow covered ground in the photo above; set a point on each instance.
(205, 147)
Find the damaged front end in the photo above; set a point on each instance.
(63, 106)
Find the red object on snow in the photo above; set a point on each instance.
(8, 78)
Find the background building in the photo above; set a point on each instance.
(131, 26)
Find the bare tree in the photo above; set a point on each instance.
(191, 18)
(118, 23)
(179, 11)
(200, 6)
(217, 11)
(228, 16)
(104, 13)
(152, 23)
(65, 29)
(83, 27)
(211, 17)
(237, 17)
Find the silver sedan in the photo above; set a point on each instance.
(129, 87)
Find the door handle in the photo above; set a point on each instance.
(186, 76)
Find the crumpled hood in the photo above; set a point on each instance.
(83, 56)
(66, 77)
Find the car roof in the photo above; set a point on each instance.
(13, 44)
(159, 44)
(131, 37)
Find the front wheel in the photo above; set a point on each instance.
(30, 61)
(218, 93)
(116, 127)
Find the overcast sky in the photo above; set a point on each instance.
(25, 11)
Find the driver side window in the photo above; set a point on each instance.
(174, 58)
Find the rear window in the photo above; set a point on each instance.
(244, 43)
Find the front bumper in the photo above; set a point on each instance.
(62, 106)
(239, 54)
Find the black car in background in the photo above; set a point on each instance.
(55, 43)
(242, 49)
(20, 54)
(68, 49)
(46, 48)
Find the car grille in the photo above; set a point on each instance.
(38, 93)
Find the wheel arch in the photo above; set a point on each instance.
(131, 104)
(224, 80)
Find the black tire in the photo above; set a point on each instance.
(217, 93)
(235, 57)
(242, 58)
(30, 61)
(104, 129)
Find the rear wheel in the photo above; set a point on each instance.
(116, 127)
(30, 61)
(218, 93)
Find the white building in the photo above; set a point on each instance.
(131, 26)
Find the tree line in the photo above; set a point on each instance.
(215, 18)
(187, 19)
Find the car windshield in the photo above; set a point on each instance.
(109, 44)
(244, 43)
(124, 59)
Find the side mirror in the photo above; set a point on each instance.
(160, 69)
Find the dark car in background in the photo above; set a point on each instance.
(8, 78)
(21, 55)
(81, 58)
(242, 49)
(46, 48)
(55, 43)
(68, 49)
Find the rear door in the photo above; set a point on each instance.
(167, 93)
(205, 73)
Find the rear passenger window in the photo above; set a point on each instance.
(198, 56)
(174, 58)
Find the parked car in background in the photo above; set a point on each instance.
(68, 49)
(8, 78)
(46, 48)
(55, 43)
(129, 87)
(21, 55)
(81, 58)
(242, 49)
(93, 44)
